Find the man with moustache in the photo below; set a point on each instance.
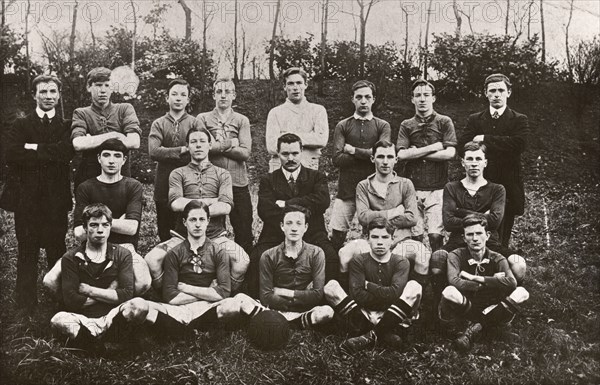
(100, 121)
(166, 146)
(292, 184)
(230, 150)
(297, 116)
(38, 151)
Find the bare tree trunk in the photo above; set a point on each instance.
(133, 39)
(543, 31)
(207, 18)
(254, 68)
(72, 39)
(244, 54)
(3, 23)
(27, 43)
(507, 17)
(364, 17)
(236, 78)
(272, 47)
(188, 19)
(529, 19)
(458, 19)
(405, 57)
(427, 41)
(569, 66)
(322, 54)
(93, 36)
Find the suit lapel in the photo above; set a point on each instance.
(281, 185)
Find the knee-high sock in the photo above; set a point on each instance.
(166, 326)
(206, 321)
(351, 313)
(303, 322)
(395, 314)
(500, 314)
(449, 309)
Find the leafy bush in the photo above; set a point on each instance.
(169, 58)
(295, 53)
(383, 64)
(585, 61)
(464, 62)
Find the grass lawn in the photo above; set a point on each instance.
(558, 331)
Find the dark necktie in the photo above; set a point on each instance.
(45, 120)
(293, 185)
(496, 115)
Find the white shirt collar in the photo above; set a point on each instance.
(294, 174)
(40, 113)
(500, 110)
(368, 117)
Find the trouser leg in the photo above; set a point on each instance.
(27, 261)
(241, 218)
(332, 261)
(253, 273)
(505, 229)
(165, 219)
(436, 241)
(338, 238)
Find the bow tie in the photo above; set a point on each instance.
(472, 261)
(496, 115)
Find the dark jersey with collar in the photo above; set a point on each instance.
(77, 268)
(386, 281)
(196, 268)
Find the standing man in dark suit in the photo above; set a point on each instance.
(38, 189)
(291, 184)
(505, 133)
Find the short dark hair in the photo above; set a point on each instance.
(95, 210)
(474, 146)
(296, 208)
(422, 82)
(474, 219)
(176, 82)
(112, 145)
(294, 71)
(98, 74)
(381, 144)
(193, 205)
(222, 80)
(363, 84)
(198, 129)
(380, 223)
(495, 78)
(45, 79)
(288, 138)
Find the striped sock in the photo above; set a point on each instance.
(257, 309)
(303, 322)
(346, 306)
(355, 321)
(395, 314)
